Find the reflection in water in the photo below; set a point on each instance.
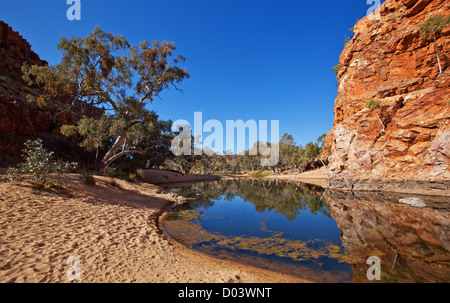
(413, 244)
(304, 231)
(285, 199)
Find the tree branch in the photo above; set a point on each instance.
(126, 152)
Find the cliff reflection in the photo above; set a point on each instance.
(413, 244)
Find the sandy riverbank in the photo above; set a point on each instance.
(414, 187)
(316, 177)
(155, 176)
(112, 230)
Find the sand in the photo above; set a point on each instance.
(156, 176)
(316, 177)
(114, 231)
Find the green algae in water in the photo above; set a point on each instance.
(187, 229)
(254, 218)
(292, 229)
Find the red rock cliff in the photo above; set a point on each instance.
(15, 51)
(21, 120)
(406, 133)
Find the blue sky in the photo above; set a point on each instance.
(248, 59)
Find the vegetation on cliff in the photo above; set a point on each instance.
(392, 120)
(433, 27)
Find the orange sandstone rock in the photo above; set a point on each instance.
(407, 136)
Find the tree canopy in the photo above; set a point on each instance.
(105, 71)
(291, 157)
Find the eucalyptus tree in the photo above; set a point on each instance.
(433, 26)
(103, 70)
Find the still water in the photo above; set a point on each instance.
(307, 232)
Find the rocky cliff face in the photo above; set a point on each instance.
(392, 112)
(21, 120)
(15, 51)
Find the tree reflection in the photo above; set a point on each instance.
(287, 199)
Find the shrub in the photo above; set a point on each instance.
(347, 40)
(137, 176)
(40, 163)
(133, 178)
(111, 172)
(87, 178)
(12, 174)
(140, 174)
(114, 183)
(373, 103)
(336, 69)
(434, 25)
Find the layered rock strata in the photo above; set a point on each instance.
(392, 112)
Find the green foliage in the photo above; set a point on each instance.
(69, 130)
(87, 178)
(136, 177)
(260, 174)
(321, 141)
(347, 40)
(112, 172)
(12, 174)
(140, 174)
(336, 69)
(183, 163)
(291, 157)
(40, 163)
(113, 182)
(312, 150)
(434, 25)
(373, 103)
(95, 132)
(105, 71)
